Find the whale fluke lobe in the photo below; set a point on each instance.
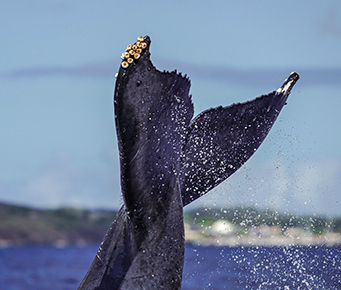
(167, 161)
(152, 111)
(222, 139)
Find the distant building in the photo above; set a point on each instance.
(264, 231)
(222, 227)
(295, 232)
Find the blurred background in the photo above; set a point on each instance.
(57, 65)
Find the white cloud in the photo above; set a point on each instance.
(304, 186)
(55, 182)
(319, 183)
(64, 182)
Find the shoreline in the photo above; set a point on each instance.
(326, 240)
(254, 238)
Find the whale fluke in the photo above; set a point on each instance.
(167, 161)
(222, 139)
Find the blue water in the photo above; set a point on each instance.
(285, 268)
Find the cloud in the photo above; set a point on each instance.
(100, 69)
(331, 24)
(250, 77)
(319, 183)
(63, 181)
(301, 186)
(308, 186)
(261, 76)
(58, 179)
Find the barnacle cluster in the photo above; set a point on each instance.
(133, 51)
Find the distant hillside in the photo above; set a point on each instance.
(22, 225)
(251, 217)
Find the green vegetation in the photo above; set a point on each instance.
(245, 217)
(23, 225)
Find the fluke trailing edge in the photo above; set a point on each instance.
(168, 160)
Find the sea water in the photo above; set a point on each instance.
(290, 267)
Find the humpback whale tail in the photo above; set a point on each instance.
(222, 139)
(167, 161)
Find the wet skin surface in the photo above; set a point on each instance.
(168, 159)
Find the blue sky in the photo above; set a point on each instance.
(58, 60)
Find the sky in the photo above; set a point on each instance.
(58, 60)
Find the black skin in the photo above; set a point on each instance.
(167, 161)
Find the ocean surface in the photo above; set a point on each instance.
(294, 267)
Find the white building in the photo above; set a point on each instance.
(222, 227)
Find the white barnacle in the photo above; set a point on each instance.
(139, 50)
(131, 52)
(126, 54)
(130, 60)
(116, 75)
(140, 38)
(279, 90)
(134, 47)
(287, 86)
(136, 55)
(143, 44)
(123, 55)
(129, 47)
(125, 64)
